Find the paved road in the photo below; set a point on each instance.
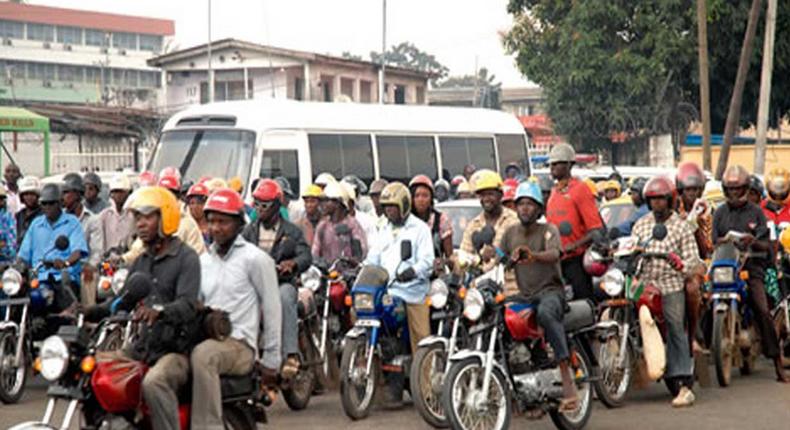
(751, 403)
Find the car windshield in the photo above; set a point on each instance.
(197, 153)
(460, 216)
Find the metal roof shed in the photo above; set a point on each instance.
(15, 119)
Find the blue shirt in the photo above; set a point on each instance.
(627, 225)
(39, 244)
(7, 236)
(385, 252)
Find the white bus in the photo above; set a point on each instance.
(299, 140)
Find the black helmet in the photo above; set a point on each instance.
(638, 185)
(50, 193)
(93, 179)
(285, 186)
(73, 182)
(757, 185)
(359, 185)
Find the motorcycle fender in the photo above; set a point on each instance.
(480, 357)
(721, 307)
(355, 332)
(433, 340)
(9, 325)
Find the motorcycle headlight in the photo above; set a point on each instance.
(363, 302)
(54, 358)
(119, 280)
(12, 282)
(612, 282)
(473, 305)
(723, 275)
(311, 278)
(438, 293)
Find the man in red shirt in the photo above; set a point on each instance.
(776, 207)
(573, 210)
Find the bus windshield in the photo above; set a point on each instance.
(197, 153)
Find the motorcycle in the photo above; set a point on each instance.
(111, 278)
(378, 342)
(733, 339)
(781, 312)
(31, 310)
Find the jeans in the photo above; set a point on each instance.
(679, 361)
(550, 313)
(290, 318)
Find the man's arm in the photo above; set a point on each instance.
(689, 252)
(374, 253)
(187, 287)
(318, 237)
(26, 249)
(77, 242)
(423, 267)
(552, 246)
(303, 257)
(263, 277)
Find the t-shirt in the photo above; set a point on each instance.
(534, 278)
(777, 216)
(575, 204)
(748, 218)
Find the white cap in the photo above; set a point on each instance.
(120, 182)
(325, 179)
(349, 189)
(334, 190)
(29, 184)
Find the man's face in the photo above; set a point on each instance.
(331, 206)
(560, 170)
(442, 194)
(755, 197)
(392, 213)
(222, 227)
(196, 204)
(30, 200)
(735, 195)
(691, 194)
(147, 226)
(528, 210)
(659, 205)
(490, 200)
(91, 192)
(70, 199)
(311, 207)
(422, 199)
(265, 208)
(11, 173)
(610, 194)
(119, 197)
(51, 210)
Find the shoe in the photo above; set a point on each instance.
(684, 398)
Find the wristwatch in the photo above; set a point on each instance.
(68, 264)
(157, 307)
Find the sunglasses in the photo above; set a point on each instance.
(264, 204)
(731, 189)
(49, 203)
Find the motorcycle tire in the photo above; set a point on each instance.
(561, 420)
(300, 388)
(357, 407)
(614, 397)
(452, 403)
(428, 400)
(722, 346)
(238, 418)
(12, 381)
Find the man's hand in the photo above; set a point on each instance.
(522, 254)
(487, 252)
(147, 315)
(407, 275)
(675, 261)
(747, 240)
(59, 264)
(286, 267)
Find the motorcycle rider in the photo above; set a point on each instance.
(509, 193)
(312, 212)
(73, 191)
(174, 269)
(668, 275)
(29, 191)
(534, 249)
(375, 193)
(7, 230)
(240, 279)
(739, 215)
(572, 202)
(611, 190)
(776, 206)
(637, 185)
(421, 188)
(11, 177)
(756, 190)
(327, 244)
(93, 200)
(442, 190)
(197, 195)
(117, 223)
(285, 243)
(364, 219)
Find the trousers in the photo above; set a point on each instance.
(160, 389)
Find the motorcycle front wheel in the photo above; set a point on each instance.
(723, 344)
(426, 379)
(463, 397)
(357, 387)
(12, 378)
(577, 419)
(300, 388)
(614, 382)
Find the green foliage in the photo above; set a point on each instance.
(489, 91)
(407, 55)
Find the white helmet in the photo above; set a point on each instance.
(325, 179)
(349, 189)
(334, 190)
(29, 184)
(120, 182)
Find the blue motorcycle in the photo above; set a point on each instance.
(733, 339)
(378, 344)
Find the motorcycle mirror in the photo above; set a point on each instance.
(483, 237)
(342, 230)
(405, 250)
(62, 243)
(565, 228)
(659, 232)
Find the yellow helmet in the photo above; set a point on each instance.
(486, 179)
(314, 191)
(784, 239)
(463, 187)
(396, 193)
(147, 200)
(235, 184)
(612, 184)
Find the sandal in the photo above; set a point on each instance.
(568, 405)
(290, 367)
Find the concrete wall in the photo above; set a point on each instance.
(775, 155)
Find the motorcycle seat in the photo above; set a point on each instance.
(580, 314)
(234, 386)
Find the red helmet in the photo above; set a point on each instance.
(689, 175)
(203, 179)
(593, 263)
(509, 190)
(226, 201)
(267, 190)
(198, 190)
(170, 171)
(148, 179)
(421, 180)
(170, 178)
(660, 186)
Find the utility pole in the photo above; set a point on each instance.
(704, 81)
(210, 70)
(477, 78)
(383, 49)
(765, 89)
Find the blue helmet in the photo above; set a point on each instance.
(531, 190)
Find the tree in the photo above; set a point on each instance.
(349, 56)
(409, 56)
(489, 92)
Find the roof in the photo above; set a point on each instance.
(265, 114)
(230, 43)
(86, 19)
(98, 120)
(18, 119)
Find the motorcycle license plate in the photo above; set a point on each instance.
(368, 323)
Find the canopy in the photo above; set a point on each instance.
(17, 119)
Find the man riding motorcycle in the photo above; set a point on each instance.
(29, 192)
(534, 249)
(73, 192)
(93, 200)
(776, 207)
(285, 243)
(312, 212)
(117, 223)
(636, 188)
(240, 279)
(668, 275)
(739, 215)
(439, 223)
(327, 244)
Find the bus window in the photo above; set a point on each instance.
(457, 152)
(276, 162)
(403, 157)
(341, 155)
(512, 149)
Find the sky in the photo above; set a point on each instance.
(460, 33)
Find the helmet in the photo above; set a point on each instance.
(463, 187)
(148, 179)
(359, 185)
(612, 184)
(756, 184)
(235, 184)
(147, 200)
(457, 180)
(334, 191)
(324, 179)
(50, 193)
(170, 171)
(486, 179)
(784, 239)
(198, 190)
(377, 185)
(349, 190)
(214, 184)
(509, 192)
(421, 180)
(638, 185)
(660, 186)
(529, 190)
(267, 190)
(398, 195)
(93, 179)
(120, 182)
(593, 264)
(73, 182)
(562, 153)
(313, 191)
(689, 175)
(226, 201)
(285, 185)
(735, 176)
(29, 184)
(778, 184)
(170, 178)
(441, 183)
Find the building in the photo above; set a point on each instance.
(519, 101)
(523, 101)
(245, 70)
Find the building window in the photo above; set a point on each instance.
(41, 71)
(12, 29)
(151, 42)
(70, 35)
(281, 163)
(124, 40)
(347, 87)
(341, 155)
(69, 73)
(326, 83)
(403, 157)
(298, 89)
(149, 79)
(457, 152)
(93, 75)
(365, 91)
(400, 94)
(41, 32)
(130, 78)
(97, 38)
